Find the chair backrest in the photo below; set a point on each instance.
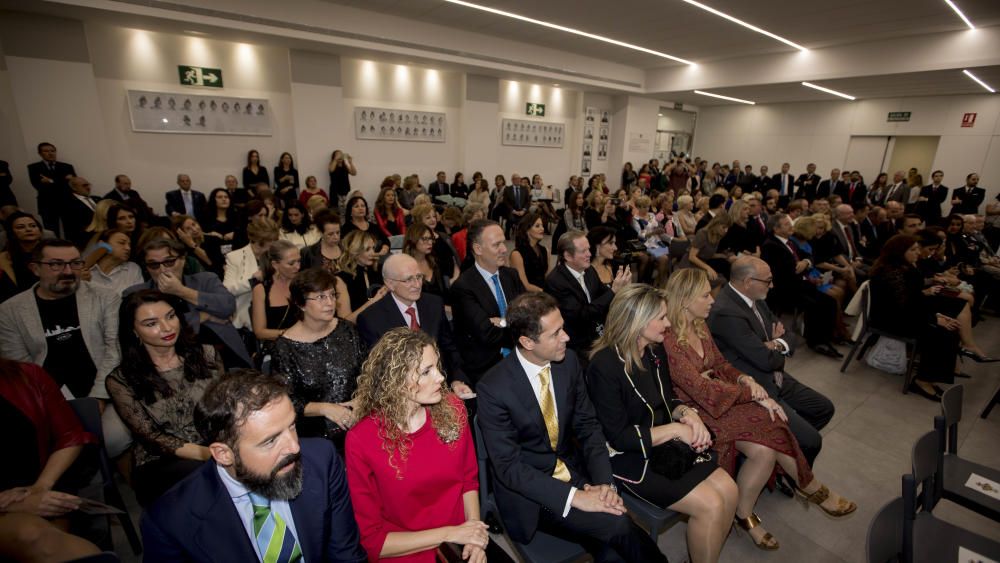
(951, 408)
(482, 458)
(89, 412)
(885, 533)
(925, 467)
(866, 303)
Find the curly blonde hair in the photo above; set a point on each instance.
(382, 394)
(682, 287)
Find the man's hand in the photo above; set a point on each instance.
(592, 499)
(777, 330)
(461, 389)
(801, 266)
(607, 495)
(170, 284)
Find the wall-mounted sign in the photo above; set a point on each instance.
(200, 76)
(170, 112)
(535, 110)
(899, 116)
(969, 120)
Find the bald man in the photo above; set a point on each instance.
(751, 338)
(406, 306)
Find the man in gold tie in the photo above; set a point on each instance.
(551, 470)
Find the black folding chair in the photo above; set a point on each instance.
(870, 335)
(89, 413)
(989, 406)
(543, 548)
(955, 470)
(925, 537)
(651, 517)
(885, 533)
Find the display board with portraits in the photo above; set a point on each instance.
(195, 114)
(525, 133)
(387, 124)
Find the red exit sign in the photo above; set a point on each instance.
(969, 120)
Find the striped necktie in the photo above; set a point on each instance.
(548, 406)
(274, 538)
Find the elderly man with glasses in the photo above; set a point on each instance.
(70, 328)
(207, 305)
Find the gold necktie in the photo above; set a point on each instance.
(560, 472)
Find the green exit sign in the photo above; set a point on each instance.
(899, 116)
(200, 76)
(537, 110)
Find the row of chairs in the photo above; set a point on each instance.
(905, 529)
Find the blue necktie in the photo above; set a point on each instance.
(501, 304)
(274, 538)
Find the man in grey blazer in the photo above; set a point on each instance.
(749, 336)
(69, 327)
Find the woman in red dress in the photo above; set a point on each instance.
(411, 463)
(740, 412)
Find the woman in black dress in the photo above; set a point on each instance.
(360, 275)
(419, 244)
(254, 172)
(341, 170)
(648, 429)
(24, 232)
(530, 258)
(271, 312)
(222, 220)
(286, 180)
(320, 357)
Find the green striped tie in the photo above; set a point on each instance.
(276, 541)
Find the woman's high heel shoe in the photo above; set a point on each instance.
(976, 356)
(767, 543)
(844, 507)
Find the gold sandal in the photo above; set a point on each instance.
(767, 543)
(844, 507)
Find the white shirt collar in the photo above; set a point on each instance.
(488, 276)
(745, 299)
(403, 307)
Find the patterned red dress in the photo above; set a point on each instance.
(726, 406)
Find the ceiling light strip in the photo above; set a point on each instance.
(827, 90)
(960, 14)
(721, 97)
(569, 30)
(746, 25)
(980, 82)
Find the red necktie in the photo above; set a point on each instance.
(850, 242)
(850, 194)
(791, 246)
(414, 325)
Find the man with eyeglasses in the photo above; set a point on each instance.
(69, 327)
(407, 306)
(209, 304)
(751, 338)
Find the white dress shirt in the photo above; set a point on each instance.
(240, 496)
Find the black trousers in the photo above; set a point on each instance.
(604, 536)
(154, 478)
(808, 412)
(820, 314)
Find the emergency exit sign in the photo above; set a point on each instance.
(200, 76)
(899, 116)
(536, 110)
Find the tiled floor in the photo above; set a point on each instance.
(866, 450)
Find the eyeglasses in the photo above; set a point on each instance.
(418, 278)
(768, 281)
(323, 298)
(60, 265)
(426, 239)
(168, 263)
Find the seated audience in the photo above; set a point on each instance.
(23, 234)
(544, 479)
(419, 245)
(459, 239)
(163, 373)
(297, 228)
(752, 339)
(411, 462)
(265, 491)
(286, 181)
(327, 252)
(459, 188)
(271, 311)
(357, 220)
(312, 190)
(573, 216)
(341, 168)
(728, 401)
(480, 193)
(359, 275)
(529, 257)
(320, 358)
(69, 327)
(126, 195)
(388, 213)
(206, 250)
(244, 265)
(739, 239)
(444, 253)
(239, 196)
(184, 200)
(602, 255)
(254, 172)
(663, 446)
(207, 305)
(78, 210)
(44, 438)
(817, 244)
(222, 221)
(114, 271)
(601, 211)
(479, 300)
(705, 253)
(685, 214)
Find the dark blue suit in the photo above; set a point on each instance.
(197, 521)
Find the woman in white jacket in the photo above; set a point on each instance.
(244, 264)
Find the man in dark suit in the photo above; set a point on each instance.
(551, 470)
(7, 197)
(716, 205)
(783, 182)
(439, 187)
(583, 299)
(870, 233)
(756, 222)
(893, 216)
(750, 337)
(807, 183)
(830, 186)
(129, 198)
(262, 489)
(932, 196)
(78, 212)
(184, 200)
(967, 199)
(480, 297)
(407, 306)
(50, 178)
(793, 290)
(898, 190)
(764, 181)
(852, 192)
(517, 198)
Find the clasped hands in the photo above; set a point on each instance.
(760, 396)
(598, 498)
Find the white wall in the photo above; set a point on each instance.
(821, 131)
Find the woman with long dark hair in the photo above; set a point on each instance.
(530, 258)
(297, 227)
(222, 221)
(254, 172)
(271, 311)
(341, 169)
(163, 373)
(286, 180)
(389, 214)
(24, 232)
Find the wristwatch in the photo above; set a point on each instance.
(503, 323)
(613, 488)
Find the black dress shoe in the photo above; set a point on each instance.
(937, 390)
(920, 391)
(976, 357)
(827, 351)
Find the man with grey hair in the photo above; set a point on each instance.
(184, 200)
(751, 338)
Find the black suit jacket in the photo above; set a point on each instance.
(473, 304)
(872, 246)
(6, 195)
(930, 210)
(59, 185)
(438, 189)
(76, 217)
(584, 320)
(828, 188)
(776, 183)
(143, 212)
(970, 199)
(787, 284)
(175, 203)
(196, 520)
(807, 183)
(509, 200)
(520, 452)
(384, 316)
(740, 337)
(844, 191)
(763, 184)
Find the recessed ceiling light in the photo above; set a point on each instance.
(192, 32)
(827, 90)
(556, 84)
(960, 14)
(981, 83)
(747, 25)
(659, 115)
(569, 30)
(721, 97)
